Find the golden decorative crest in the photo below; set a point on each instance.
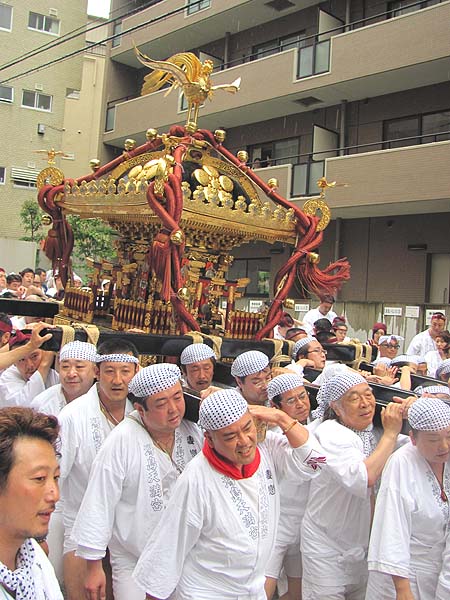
(49, 175)
(184, 70)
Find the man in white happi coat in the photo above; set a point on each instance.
(424, 342)
(27, 377)
(132, 479)
(29, 473)
(336, 524)
(220, 523)
(85, 424)
(197, 363)
(412, 512)
(76, 375)
(77, 362)
(323, 311)
(287, 393)
(251, 371)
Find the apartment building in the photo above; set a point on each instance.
(357, 90)
(33, 96)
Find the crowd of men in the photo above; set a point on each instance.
(100, 469)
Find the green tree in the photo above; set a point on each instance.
(31, 215)
(93, 239)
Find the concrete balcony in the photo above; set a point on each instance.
(409, 180)
(170, 28)
(387, 57)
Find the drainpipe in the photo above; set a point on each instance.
(226, 50)
(342, 127)
(348, 6)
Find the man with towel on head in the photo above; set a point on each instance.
(76, 376)
(197, 363)
(287, 392)
(85, 424)
(336, 525)
(411, 518)
(251, 371)
(132, 479)
(220, 523)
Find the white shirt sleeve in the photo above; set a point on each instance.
(161, 563)
(304, 462)
(389, 550)
(345, 462)
(443, 587)
(14, 391)
(95, 520)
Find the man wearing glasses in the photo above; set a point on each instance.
(308, 352)
(388, 347)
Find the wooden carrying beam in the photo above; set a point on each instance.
(25, 308)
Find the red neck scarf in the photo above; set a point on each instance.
(229, 469)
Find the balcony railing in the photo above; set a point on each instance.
(306, 170)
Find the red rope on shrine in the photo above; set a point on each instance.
(300, 262)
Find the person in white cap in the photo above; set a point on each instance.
(251, 371)
(308, 352)
(411, 518)
(287, 392)
(433, 391)
(443, 371)
(132, 479)
(76, 376)
(85, 424)
(336, 524)
(197, 363)
(220, 522)
(406, 365)
(388, 347)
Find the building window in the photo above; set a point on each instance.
(295, 40)
(417, 129)
(110, 118)
(2, 175)
(117, 30)
(279, 152)
(6, 93)
(5, 17)
(36, 100)
(194, 6)
(43, 23)
(436, 126)
(72, 93)
(257, 270)
(403, 7)
(25, 178)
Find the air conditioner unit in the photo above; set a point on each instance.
(38, 86)
(53, 12)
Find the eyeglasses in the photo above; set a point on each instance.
(391, 346)
(318, 351)
(299, 398)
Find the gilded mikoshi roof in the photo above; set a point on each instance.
(188, 190)
(218, 196)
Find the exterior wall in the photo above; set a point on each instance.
(83, 116)
(19, 125)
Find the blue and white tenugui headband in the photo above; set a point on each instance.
(127, 358)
